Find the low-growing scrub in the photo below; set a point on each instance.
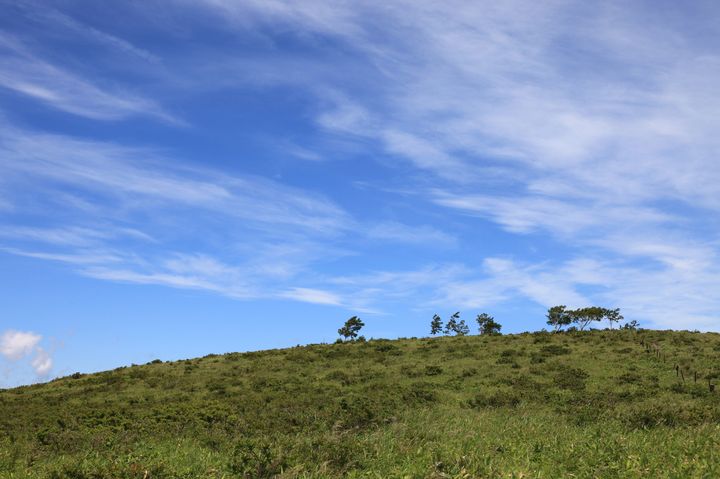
(580, 404)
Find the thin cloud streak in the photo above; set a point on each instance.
(25, 72)
(585, 124)
(601, 154)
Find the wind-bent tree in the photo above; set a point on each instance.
(462, 329)
(436, 325)
(451, 325)
(487, 324)
(613, 316)
(351, 328)
(584, 316)
(558, 316)
(631, 325)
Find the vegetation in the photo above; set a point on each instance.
(559, 316)
(601, 404)
(351, 328)
(436, 325)
(487, 324)
(458, 327)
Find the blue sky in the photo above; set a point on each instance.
(185, 177)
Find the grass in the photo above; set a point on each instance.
(602, 404)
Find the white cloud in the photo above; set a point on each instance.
(71, 235)
(598, 125)
(138, 179)
(25, 72)
(42, 363)
(310, 295)
(585, 122)
(53, 18)
(15, 345)
(393, 231)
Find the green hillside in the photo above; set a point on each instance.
(583, 404)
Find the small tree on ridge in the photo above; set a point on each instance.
(558, 316)
(487, 324)
(452, 324)
(351, 328)
(613, 316)
(436, 325)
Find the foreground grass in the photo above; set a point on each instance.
(594, 404)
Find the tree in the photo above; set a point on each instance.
(487, 324)
(558, 316)
(613, 316)
(462, 329)
(351, 328)
(436, 325)
(632, 325)
(452, 324)
(584, 316)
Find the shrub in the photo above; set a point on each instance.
(358, 412)
(630, 378)
(420, 392)
(570, 378)
(554, 350)
(433, 370)
(253, 458)
(388, 348)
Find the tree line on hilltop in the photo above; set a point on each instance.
(558, 317)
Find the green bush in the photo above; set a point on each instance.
(254, 458)
(570, 378)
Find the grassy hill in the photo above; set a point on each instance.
(593, 404)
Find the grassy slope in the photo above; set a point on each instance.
(533, 405)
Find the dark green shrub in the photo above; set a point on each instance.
(554, 350)
(433, 370)
(388, 348)
(506, 360)
(537, 358)
(254, 458)
(420, 392)
(570, 378)
(358, 412)
(630, 378)
(410, 371)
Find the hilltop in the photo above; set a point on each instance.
(580, 404)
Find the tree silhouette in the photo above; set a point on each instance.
(436, 325)
(462, 329)
(584, 316)
(487, 324)
(452, 324)
(558, 316)
(613, 316)
(351, 328)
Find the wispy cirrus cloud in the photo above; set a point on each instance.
(583, 122)
(124, 174)
(587, 126)
(25, 72)
(132, 215)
